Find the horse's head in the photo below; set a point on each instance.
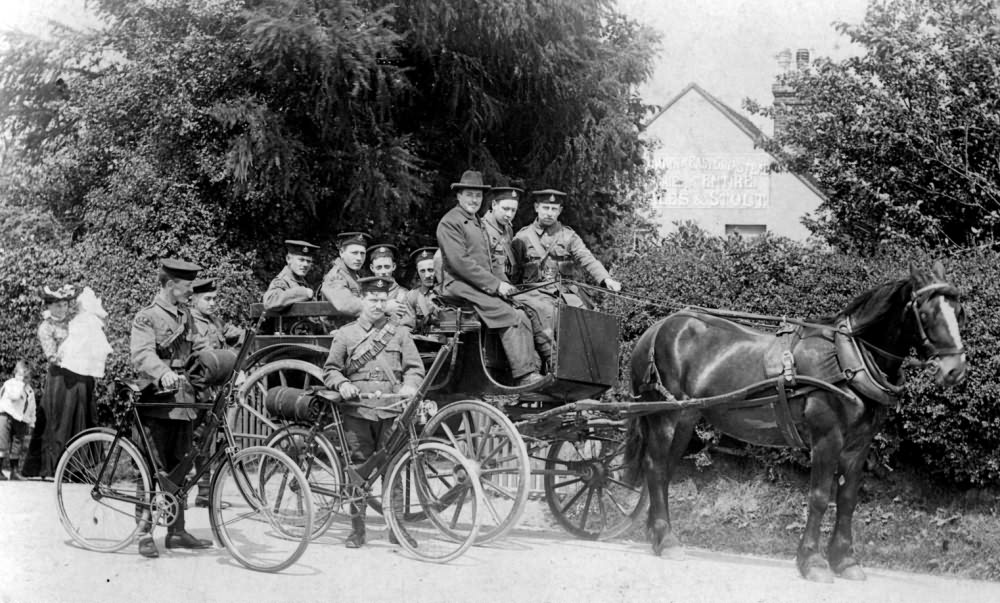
(939, 316)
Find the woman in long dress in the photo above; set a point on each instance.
(67, 405)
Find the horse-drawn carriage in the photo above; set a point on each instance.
(822, 386)
(576, 456)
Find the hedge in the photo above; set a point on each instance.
(952, 434)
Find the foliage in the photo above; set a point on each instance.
(296, 119)
(904, 137)
(953, 434)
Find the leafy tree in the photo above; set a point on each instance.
(904, 137)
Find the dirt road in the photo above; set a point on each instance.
(38, 563)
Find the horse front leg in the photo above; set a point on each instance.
(840, 551)
(825, 451)
(668, 437)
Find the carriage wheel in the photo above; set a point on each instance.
(585, 486)
(488, 438)
(250, 422)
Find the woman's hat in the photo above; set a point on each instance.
(63, 293)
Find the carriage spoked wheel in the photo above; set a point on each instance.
(485, 435)
(252, 425)
(586, 489)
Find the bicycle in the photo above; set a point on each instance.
(111, 487)
(431, 493)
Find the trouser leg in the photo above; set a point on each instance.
(543, 337)
(519, 346)
(171, 440)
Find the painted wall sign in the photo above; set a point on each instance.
(720, 181)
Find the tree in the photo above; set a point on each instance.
(904, 137)
(302, 117)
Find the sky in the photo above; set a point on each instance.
(727, 46)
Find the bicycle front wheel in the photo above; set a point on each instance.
(431, 501)
(104, 491)
(261, 509)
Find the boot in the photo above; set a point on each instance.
(147, 547)
(181, 539)
(356, 539)
(15, 471)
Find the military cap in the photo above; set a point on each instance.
(63, 293)
(549, 195)
(384, 250)
(424, 253)
(471, 179)
(375, 284)
(503, 193)
(305, 248)
(203, 285)
(352, 238)
(179, 269)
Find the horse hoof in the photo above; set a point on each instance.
(853, 572)
(818, 574)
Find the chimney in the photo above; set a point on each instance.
(785, 98)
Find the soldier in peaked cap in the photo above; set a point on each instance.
(422, 300)
(548, 250)
(467, 274)
(500, 232)
(371, 354)
(340, 285)
(213, 339)
(161, 341)
(290, 285)
(382, 263)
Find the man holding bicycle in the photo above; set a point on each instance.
(161, 342)
(371, 355)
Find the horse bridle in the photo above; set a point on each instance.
(921, 296)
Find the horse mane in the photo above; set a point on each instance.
(873, 306)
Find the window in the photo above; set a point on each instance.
(747, 231)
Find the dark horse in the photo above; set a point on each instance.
(695, 355)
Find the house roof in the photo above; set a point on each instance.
(740, 121)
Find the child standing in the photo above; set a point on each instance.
(17, 415)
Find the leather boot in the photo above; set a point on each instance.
(181, 539)
(356, 539)
(147, 547)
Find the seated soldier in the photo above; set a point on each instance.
(340, 285)
(467, 269)
(546, 250)
(370, 355)
(382, 263)
(423, 299)
(290, 285)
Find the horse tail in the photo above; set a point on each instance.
(635, 449)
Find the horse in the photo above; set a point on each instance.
(693, 355)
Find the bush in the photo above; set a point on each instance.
(953, 434)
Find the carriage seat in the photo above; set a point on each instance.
(456, 314)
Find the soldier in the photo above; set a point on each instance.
(340, 285)
(547, 250)
(382, 263)
(370, 355)
(290, 285)
(423, 299)
(498, 222)
(210, 333)
(160, 344)
(467, 275)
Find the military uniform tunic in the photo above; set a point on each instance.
(341, 289)
(564, 248)
(423, 304)
(161, 341)
(500, 237)
(280, 293)
(400, 294)
(210, 333)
